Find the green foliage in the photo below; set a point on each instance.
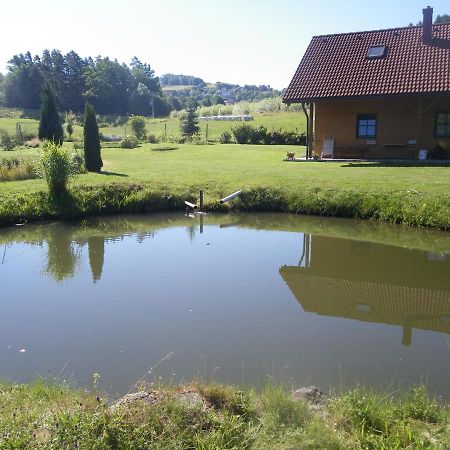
(7, 143)
(92, 149)
(258, 135)
(138, 126)
(152, 139)
(50, 127)
(17, 168)
(442, 18)
(247, 134)
(189, 124)
(418, 405)
(71, 120)
(377, 421)
(56, 166)
(242, 133)
(225, 137)
(129, 142)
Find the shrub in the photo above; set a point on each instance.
(92, 149)
(225, 137)
(71, 120)
(129, 142)
(242, 133)
(258, 135)
(138, 126)
(78, 164)
(56, 166)
(13, 169)
(152, 139)
(50, 127)
(274, 137)
(293, 138)
(7, 142)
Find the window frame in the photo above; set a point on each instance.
(384, 47)
(366, 116)
(447, 125)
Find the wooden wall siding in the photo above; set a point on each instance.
(398, 121)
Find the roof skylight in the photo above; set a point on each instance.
(376, 51)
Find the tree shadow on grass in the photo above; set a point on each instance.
(396, 164)
(116, 174)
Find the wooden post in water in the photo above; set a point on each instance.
(201, 223)
(201, 201)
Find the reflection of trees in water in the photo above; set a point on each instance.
(63, 253)
(62, 256)
(96, 248)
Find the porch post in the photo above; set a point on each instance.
(311, 130)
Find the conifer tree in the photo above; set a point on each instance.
(189, 124)
(92, 155)
(50, 127)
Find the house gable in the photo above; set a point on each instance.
(339, 66)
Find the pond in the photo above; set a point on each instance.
(242, 298)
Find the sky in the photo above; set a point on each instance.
(234, 41)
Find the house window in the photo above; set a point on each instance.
(366, 126)
(443, 124)
(376, 51)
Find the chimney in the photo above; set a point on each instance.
(427, 37)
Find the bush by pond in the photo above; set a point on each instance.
(57, 166)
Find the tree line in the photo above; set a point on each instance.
(111, 87)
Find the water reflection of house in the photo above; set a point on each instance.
(372, 283)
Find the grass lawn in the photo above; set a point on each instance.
(161, 176)
(224, 168)
(285, 120)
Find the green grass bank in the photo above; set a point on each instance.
(149, 179)
(212, 416)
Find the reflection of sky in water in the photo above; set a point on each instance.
(216, 300)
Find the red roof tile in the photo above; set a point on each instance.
(336, 66)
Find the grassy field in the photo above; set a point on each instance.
(285, 120)
(406, 194)
(216, 417)
(227, 167)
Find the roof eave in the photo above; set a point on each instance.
(367, 97)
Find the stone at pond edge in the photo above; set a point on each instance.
(188, 399)
(310, 394)
(129, 399)
(191, 400)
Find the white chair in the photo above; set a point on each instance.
(328, 146)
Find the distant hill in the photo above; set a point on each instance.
(188, 90)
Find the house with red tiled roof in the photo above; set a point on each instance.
(377, 94)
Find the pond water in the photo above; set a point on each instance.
(236, 298)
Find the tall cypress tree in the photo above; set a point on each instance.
(92, 155)
(50, 127)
